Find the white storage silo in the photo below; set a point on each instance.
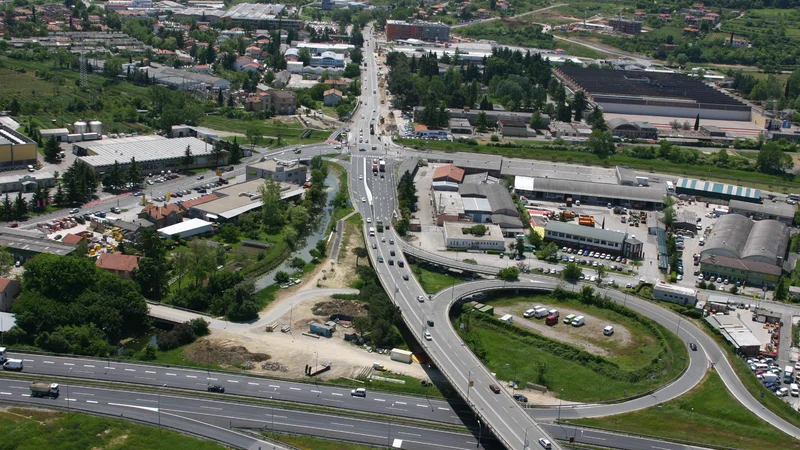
(80, 127)
(96, 126)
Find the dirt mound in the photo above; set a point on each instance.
(207, 352)
(349, 307)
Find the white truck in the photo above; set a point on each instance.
(578, 321)
(507, 318)
(788, 374)
(13, 364)
(2, 355)
(41, 389)
(541, 312)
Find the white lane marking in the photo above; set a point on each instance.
(28, 360)
(251, 383)
(340, 424)
(145, 378)
(147, 408)
(83, 393)
(191, 376)
(170, 374)
(294, 388)
(444, 409)
(91, 401)
(26, 395)
(408, 434)
(149, 371)
(332, 400)
(210, 407)
(70, 400)
(211, 379)
(5, 393)
(110, 368)
(88, 365)
(592, 437)
(146, 400)
(379, 399)
(272, 385)
(69, 364)
(18, 387)
(401, 403)
(83, 371)
(336, 393)
(422, 406)
(49, 362)
(130, 370)
(232, 381)
(316, 392)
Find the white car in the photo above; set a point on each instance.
(363, 199)
(361, 177)
(429, 338)
(369, 219)
(420, 298)
(545, 443)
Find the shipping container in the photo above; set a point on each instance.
(403, 356)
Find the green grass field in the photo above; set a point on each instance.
(315, 443)
(707, 415)
(434, 281)
(736, 177)
(35, 429)
(510, 355)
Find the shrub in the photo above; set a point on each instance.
(495, 138)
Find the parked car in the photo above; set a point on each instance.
(520, 398)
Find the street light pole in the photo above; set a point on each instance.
(559, 405)
(159, 406)
(480, 433)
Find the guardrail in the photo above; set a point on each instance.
(647, 436)
(153, 302)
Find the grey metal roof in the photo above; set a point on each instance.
(498, 196)
(587, 232)
(505, 221)
(777, 209)
(736, 236)
(617, 122)
(728, 236)
(589, 189)
(145, 150)
(476, 204)
(767, 241)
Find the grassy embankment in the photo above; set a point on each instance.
(35, 429)
(534, 150)
(625, 371)
(706, 415)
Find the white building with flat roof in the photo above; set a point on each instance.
(675, 294)
(456, 237)
(187, 228)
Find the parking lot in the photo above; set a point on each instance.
(773, 376)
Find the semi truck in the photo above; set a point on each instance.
(375, 166)
(42, 389)
(379, 225)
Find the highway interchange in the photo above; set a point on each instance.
(514, 426)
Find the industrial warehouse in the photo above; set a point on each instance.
(152, 153)
(652, 94)
(742, 250)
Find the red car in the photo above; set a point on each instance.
(13, 225)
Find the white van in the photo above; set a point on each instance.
(529, 313)
(553, 312)
(359, 392)
(2, 354)
(579, 321)
(759, 366)
(540, 312)
(30, 168)
(608, 331)
(13, 364)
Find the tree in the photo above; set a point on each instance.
(596, 119)
(360, 252)
(669, 217)
(216, 152)
(548, 251)
(537, 122)
(297, 263)
(572, 272)
(772, 160)
(51, 150)
(482, 121)
(112, 69)
(781, 289)
(152, 275)
(254, 135)
(509, 273)
(601, 143)
(304, 54)
(20, 206)
(579, 103)
(6, 262)
(188, 158)
(697, 122)
(134, 175)
(273, 210)
(59, 198)
(235, 153)
(281, 277)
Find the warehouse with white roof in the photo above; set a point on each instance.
(152, 153)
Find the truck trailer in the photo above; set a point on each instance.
(403, 356)
(42, 389)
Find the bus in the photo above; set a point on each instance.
(372, 231)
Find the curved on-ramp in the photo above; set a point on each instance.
(709, 351)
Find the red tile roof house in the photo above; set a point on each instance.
(162, 216)
(9, 290)
(118, 264)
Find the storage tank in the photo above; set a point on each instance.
(96, 126)
(80, 127)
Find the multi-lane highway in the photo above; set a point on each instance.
(508, 421)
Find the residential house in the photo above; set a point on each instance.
(640, 15)
(515, 128)
(253, 52)
(292, 54)
(332, 97)
(73, 239)
(245, 64)
(9, 290)
(119, 264)
(665, 17)
(162, 216)
(202, 68)
(284, 102)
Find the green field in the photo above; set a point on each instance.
(411, 386)
(315, 443)
(535, 151)
(36, 429)
(707, 415)
(509, 353)
(432, 281)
